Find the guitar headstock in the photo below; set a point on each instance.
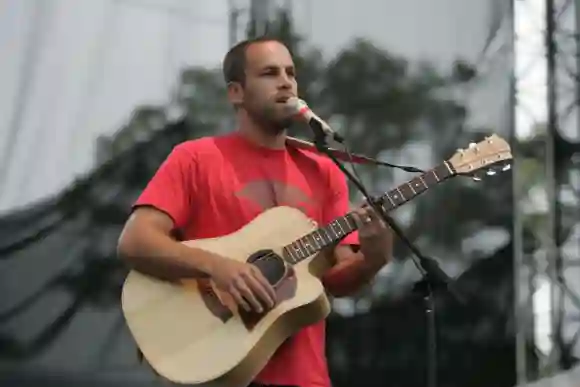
(491, 151)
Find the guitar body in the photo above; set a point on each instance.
(191, 333)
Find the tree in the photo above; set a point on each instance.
(384, 105)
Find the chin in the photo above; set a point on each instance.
(278, 125)
(273, 123)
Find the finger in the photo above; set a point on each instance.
(362, 219)
(358, 220)
(247, 293)
(374, 219)
(239, 299)
(266, 284)
(262, 289)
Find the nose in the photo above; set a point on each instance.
(285, 81)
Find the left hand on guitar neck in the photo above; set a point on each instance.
(375, 237)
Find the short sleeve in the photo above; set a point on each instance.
(170, 189)
(338, 203)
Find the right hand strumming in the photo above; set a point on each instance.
(245, 283)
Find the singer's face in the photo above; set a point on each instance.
(270, 81)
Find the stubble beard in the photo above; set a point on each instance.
(269, 122)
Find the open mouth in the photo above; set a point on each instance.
(283, 99)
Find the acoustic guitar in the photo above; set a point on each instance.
(192, 333)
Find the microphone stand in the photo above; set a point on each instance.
(433, 277)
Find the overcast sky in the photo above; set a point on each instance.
(96, 60)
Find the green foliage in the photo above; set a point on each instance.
(143, 121)
(201, 94)
(383, 104)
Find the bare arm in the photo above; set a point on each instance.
(350, 272)
(147, 246)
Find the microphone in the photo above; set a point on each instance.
(321, 129)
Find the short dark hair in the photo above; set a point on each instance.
(234, 64)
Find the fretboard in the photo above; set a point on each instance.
(339, 228)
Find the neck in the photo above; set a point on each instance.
(260, 134)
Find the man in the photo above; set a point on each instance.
(212, 186)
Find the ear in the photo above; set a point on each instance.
(235, 93)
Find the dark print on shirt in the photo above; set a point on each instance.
(267, 194)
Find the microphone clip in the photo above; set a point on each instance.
(322, 137)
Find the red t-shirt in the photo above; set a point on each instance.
(215, 185)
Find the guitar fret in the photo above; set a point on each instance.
(330, 231)
(325, 231)
(448, 167)
(400, 193)
(435, 174)
(311, 243)
(290, 255)
(317, 235)
(307, 244)
(342, 232)
(303, 247)
(298, 250)
(316, 239)
(416, 186)
(395, 198)
(348, 225)
(407, 192)
(351, 223)
(336, 228)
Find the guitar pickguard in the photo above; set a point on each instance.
(274, 269)
(212, 301)
(285, 290)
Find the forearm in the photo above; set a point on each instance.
(350, 274)
(151, 252)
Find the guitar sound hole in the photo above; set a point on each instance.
(270, 264)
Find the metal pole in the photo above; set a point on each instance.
(554, 263)
(234, 15)
(260, 14)
(517, 232)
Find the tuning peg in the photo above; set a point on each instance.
(507, 167)
(491, 172)
(476, 178)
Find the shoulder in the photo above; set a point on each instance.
(201, 147)
(196, 146)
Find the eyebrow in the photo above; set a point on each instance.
(274, 67)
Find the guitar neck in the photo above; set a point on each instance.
(339, 228)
